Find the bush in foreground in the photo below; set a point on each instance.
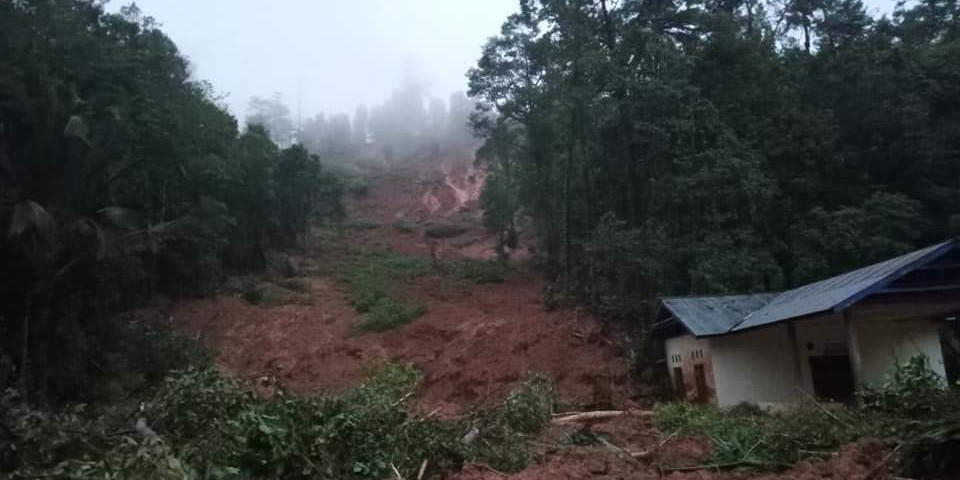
(752, 437)
(203, 425)
(912, 407)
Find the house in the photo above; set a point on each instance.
(824, 340)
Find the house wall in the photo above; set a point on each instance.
(686, 352)
(755, 366)
(883, 344)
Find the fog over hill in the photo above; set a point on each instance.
(331, 56)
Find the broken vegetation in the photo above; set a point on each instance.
(204, 425)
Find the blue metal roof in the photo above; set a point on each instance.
(838, 293)
(705, 316)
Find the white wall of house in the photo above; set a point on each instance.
(758, 366)
(685, 352)
(755, 366)
(884, 343)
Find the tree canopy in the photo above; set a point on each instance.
(121, 176)
(721, 146)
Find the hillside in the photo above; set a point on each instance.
(474, 341)
(473, 344)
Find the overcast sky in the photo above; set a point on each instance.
(332, 54)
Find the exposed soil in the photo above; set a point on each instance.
(474, 342)
(471, 344)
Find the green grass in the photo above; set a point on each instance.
(388, 314)
(369, 278)
(478, 271)
(753, 437)
(912, 406)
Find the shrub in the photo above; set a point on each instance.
(479, 271)
(770, 440)
(445, 230)
(913, 389)
(368, 278)
(503, 432)
(203, 425)
(207, 426)
(387, 314)
(529, 407)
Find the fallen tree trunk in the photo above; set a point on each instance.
(598, 415)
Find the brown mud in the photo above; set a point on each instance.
(472, 345)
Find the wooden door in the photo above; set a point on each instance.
(678, 384)
(700, 380)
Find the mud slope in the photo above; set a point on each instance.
(474, 342)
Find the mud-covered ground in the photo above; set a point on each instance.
(473, 344)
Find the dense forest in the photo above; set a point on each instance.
(720, 146)
(121, 177)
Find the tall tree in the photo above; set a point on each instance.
(274, 115)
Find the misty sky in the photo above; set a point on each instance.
(333, 54)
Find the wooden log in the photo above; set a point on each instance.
(599, 415)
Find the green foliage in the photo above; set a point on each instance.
(771, 440)
(301, 189)
(369, 277)
(477, 271)
(122, 177)
(204, 425)
(529, 407)
(445, 230)
(912, 406)
(499, 197)
(693, 148)
(912, 390)
(387, 314)
(210, 426)
(503, 432)
(625, 264)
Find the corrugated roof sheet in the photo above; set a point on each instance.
(715, 315)
(704, 316)
(840, 291)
